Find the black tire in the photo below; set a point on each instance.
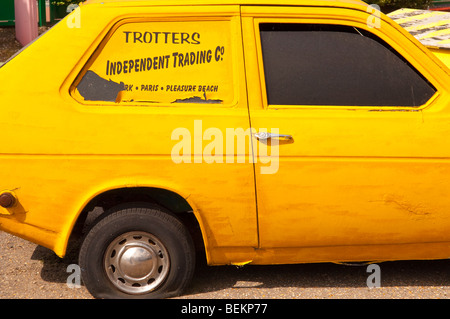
(137, 251)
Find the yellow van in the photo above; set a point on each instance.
(251, 132)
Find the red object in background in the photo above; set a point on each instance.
(26, 12)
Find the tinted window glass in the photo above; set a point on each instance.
(336, 65)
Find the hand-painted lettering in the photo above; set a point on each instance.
(162, 62)
(137, 65)
(161, 37)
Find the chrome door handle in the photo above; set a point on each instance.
(267, 135)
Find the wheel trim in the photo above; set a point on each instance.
(136, 263)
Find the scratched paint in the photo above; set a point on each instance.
(94, 88)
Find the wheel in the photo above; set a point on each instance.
(137, 251)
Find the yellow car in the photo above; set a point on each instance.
(247, 132)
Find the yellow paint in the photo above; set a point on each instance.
(443, 55)
(444, 42)
(431, 25)
(416, 17)
(355, 184)
(241, 264)
(435, 33)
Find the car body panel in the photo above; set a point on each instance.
(92, 158)
(342, 190)
(375, 191)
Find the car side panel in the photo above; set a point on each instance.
(60, 153)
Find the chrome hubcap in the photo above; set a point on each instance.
(136, 262)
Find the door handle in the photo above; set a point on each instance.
(267, 135)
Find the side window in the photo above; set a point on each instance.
(162, 62)
(310, 64)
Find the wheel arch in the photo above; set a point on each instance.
(180, 204)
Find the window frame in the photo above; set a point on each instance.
(344, 22)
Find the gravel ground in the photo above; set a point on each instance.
(8, 43)
(28, 271)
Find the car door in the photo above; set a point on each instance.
(168, 84)
(350, 160)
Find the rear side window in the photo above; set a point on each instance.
(161, 63)
(307, 64)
